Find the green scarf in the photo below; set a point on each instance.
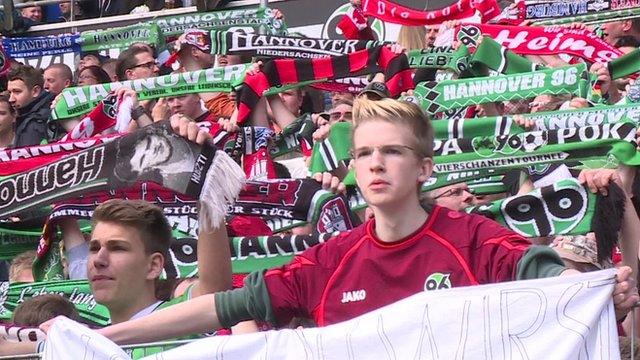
(76, 101)
(14, 242)
(76, 291)
(491, 55)
(222, 20)
(122, 37)
(625, 65)
(451, 94)
(464, 159)
(502, 125)
(328, 153)
(440, 57)
(296, 136)
(540, 147)
(266, 252)
(563, 208)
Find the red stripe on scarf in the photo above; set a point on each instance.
(13, 161)
(528, 40)
(284, 71)
(395, 13)
(358, 60)
(287, 71)
(322, 69)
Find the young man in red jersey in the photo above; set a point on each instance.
(403, 250)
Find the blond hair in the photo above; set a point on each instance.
(399, 112)
(412, 37)
(20, 263)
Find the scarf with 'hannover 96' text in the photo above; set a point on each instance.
(435, 96)
(290, 71)
(563, 208)
(122, 37)
(222, 20)
(388, 11)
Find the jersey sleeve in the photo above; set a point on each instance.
(295, 289)
(278, 295)
(497, 251)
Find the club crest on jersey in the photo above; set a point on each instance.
(437, 281)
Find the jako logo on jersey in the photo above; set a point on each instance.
(437, 281)
(355, 295)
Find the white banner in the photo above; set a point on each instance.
(561, 318)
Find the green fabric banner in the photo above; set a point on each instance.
(435, 97)
(564, 208)
(464, 159)
(252, 18)
(491, 55)
(502, 125)
(326, 155)
(539, 147)
(625, 65)
(440, 57)
(14, 242)
(76, 101)
(122, 37)
(76, 291)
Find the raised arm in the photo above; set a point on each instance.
(195, 316)
(214, 262)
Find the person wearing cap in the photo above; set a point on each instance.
(194, 53)
(580, 252)
(194, 50)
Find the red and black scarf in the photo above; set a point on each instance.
(287, 71)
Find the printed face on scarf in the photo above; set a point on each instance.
(149, 152)
(388, 171)
(118, 266)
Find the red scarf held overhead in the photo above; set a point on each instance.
(388, 11)
(290, 71)
(18, 160)
(538, 40)
(354, 25)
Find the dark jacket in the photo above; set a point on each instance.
(31, 123)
